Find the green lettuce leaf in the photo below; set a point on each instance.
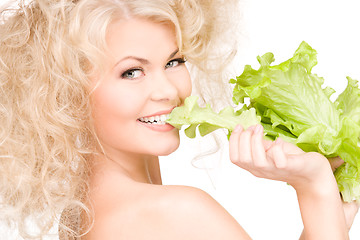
(206, 120)
(290, 99)
(348, 175)
(291, 103)
(293, 98)
(349, 101)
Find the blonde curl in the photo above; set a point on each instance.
(48, 48)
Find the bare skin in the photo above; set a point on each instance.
(350, 208)
(129, 209)
(145, 80)
(124, 204)
(310, 174)
(146, 77)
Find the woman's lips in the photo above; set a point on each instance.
(157, 121)
(158, 127)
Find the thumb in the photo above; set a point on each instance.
(335, 162)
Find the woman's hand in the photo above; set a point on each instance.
(278, 160)
(310, 174)
(350, 208)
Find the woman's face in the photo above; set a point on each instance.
(145, 79)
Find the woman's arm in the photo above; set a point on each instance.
(350, 208)
(309, 174)
(322, 212)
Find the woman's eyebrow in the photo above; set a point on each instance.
(143, 60)
(139, 59)
(173, 53)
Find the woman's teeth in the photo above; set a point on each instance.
(160, 119)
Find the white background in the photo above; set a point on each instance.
(268, 209)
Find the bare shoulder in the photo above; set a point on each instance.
(168, 212)
(200, 216)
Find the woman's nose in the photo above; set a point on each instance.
(163, 88)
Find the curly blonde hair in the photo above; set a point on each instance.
(48, 48)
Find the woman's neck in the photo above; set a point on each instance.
(154, 171)
(139, 168)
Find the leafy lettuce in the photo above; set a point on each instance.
(206, 120)
(292, 104)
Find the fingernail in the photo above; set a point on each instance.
(251, 128)
(237, 128)
(258, 128)
(278, 141)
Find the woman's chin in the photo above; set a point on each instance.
(168, 150)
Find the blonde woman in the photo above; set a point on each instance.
(85, 89)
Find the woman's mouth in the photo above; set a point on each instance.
(157, 122)
(158, 119)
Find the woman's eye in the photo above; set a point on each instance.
(132, 73)
(175, 62)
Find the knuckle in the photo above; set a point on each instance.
(281, 166)
(246, 160)
(234, 160)
(257, 174)
(241, 161)
(261, 165)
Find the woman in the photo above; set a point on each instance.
(86, 87)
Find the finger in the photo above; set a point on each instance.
(234, 143)
(245, 147)
(277, 155)
(350, 210)
(258, 150)
(291, 148)
(335, 162)
(267, 144)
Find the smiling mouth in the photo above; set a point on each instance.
(158, 119)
